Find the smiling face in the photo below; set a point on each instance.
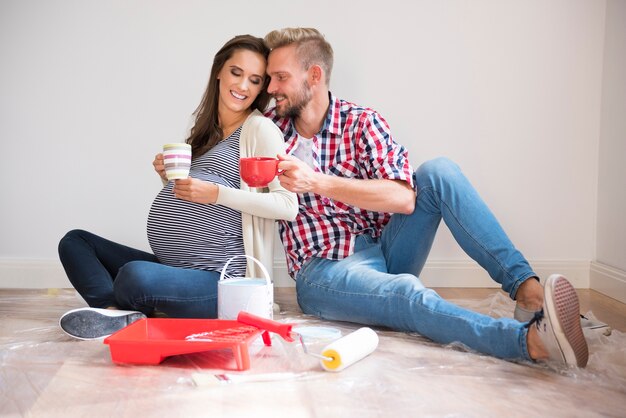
(288, 85)
(240, 81)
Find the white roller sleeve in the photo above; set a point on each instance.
(349, 349)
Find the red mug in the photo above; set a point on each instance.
(258, 171)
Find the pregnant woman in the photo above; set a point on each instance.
(195, 225)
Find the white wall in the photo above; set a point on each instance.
(609, 270)
(90, 90)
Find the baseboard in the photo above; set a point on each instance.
(469, 274)
(32, 274)
(608, 281)
(50, 274)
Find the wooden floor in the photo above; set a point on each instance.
(606, 309)
(46, 373)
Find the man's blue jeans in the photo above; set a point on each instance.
(109, 274)
(379, 285)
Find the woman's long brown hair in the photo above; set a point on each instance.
(206, 132)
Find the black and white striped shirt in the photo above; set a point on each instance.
(195, 235)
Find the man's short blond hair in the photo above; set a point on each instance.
(311, 47)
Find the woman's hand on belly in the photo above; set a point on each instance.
(195, 190)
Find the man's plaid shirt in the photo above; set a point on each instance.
(353, 142)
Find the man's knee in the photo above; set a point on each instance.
(438, 168)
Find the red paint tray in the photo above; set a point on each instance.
(150, 341)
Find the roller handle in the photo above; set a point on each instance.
(284, 330)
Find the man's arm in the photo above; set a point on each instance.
(381, 195)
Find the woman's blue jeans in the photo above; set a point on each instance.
(379, 285)
(109, 274)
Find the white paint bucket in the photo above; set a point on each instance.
(249, 294)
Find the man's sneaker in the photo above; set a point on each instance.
(594, 324)
(559, 328)
(94, 323)
(525, 315)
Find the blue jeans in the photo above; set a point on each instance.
(109, 274)
(379, 285)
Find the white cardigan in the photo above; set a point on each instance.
(259, 208)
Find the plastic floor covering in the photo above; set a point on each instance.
(44, 373)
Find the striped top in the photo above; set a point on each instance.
(201, 236)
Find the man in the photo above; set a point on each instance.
(355, 261)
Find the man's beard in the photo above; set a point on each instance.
(302, 98)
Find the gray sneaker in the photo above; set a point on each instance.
(559, 326)
(525, 315)
(595, 325)
(94, 323)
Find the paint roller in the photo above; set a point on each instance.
(346, 350)
(334, 357)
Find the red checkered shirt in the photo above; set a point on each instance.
(353, 142)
